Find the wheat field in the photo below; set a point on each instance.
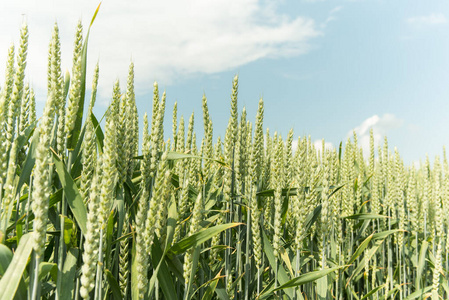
(92, 212)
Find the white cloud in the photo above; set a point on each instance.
(167, 40)
(319, 145)
(332, 16)
(381, 127)
(432, 19)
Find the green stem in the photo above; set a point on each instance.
(61, 248)
(35, 295)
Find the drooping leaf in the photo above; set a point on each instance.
(364, 216)
(198, 238)
(308, 277)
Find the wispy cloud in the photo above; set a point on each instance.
(332, 16)
(381, 127)
(167, 40)
(432, 19)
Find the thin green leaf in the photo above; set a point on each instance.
(115, 289)
(69, 274)
(308, 277)
(13, 275)
(198, 238)
(74, 198)
(373, 291)
(360, 249)
(365, 216)
(211, 289)
(382, 235)
(98, 132)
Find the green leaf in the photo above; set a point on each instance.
(365, 216)
(5, 258)
(134, 279)
(210, 289)
(308, 277)
(382, 235)
(74, 198)
(321, 288)
(171, 223)
(367, 257)
(360, 249)
(421, 261)
(46, 268)
(373, 291)
(221, 292)
(195, 258)
(98, 132)
(68, 229)
(198, 238)
(30, 159)
(282, 274)
(115, 289)
(165, 279)
(419, 293)
(312, 217)
(176, 155)
(13, 275)
(69, 274)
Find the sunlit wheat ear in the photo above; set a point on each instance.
(278, 169)
(122, 132)
(17, 89)
(75, 84)
(175, 126)
(194, 227)
(160, 187)
(124, 265)
(56, 82)
(9, 139)
(234, 112)
(126, 135)
(89, 157)
(156, 128)
(23, 123)
(109, 169)
(42, 185)
(6, 91)
(190, 132)
(255, 212)
(141, 242)
(92, 237)
(5, 99)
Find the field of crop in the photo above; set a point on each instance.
(92, 212)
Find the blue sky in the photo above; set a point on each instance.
(323, 68)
